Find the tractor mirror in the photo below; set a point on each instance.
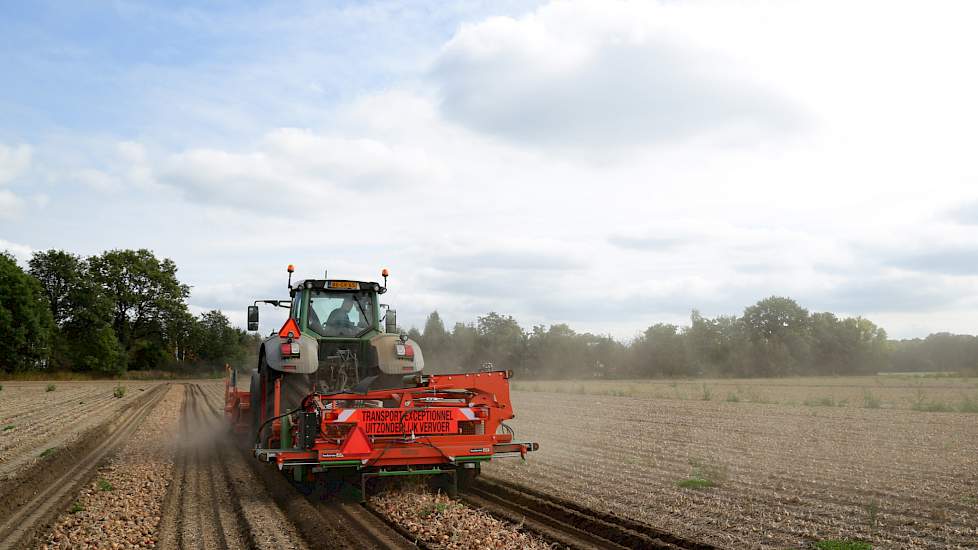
(390, 322)
(252, 317)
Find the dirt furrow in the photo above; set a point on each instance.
(29, 503)
(214, 502)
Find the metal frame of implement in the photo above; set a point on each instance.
(446, 422)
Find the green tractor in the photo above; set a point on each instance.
(332, 342)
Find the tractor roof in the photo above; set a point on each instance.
(338, 284)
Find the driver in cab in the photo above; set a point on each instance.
(340, 317)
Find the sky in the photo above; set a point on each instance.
(603, 164)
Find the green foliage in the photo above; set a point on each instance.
(872, 512)
(968, 405)
(432, 510)
(661, 349)
(870, 401)
(733, 398)
(779, 331)
(50, 387)
(707, 393)
(774, 337)
(8, 427)
(921, 403)
(76, 507)
(104, 485)
(843, 544)
(694, 483)
(48, 452)
(820, 402)
(26, 324)
(942, 351)
(705, 474)
(119, 392)
(932, 406)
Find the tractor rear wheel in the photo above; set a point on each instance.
(294, 388)
(255, 406)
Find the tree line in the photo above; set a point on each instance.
(774, 337)
(127, 309)
(105, 314)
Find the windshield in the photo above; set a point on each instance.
(340, 313)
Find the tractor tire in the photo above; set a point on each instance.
(255, 398)
(294, 388)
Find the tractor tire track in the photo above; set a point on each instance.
(212, 502)
(33, 501)
(567, 524)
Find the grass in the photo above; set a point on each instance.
(50, 387)
(119, 392)
(820, 402)
(48, 452)
(433, 509)
(8, 427)
(76, 507)
(870, 401)
(843, 544)
(868, 392)
(104, 485)
(931, 406)
(705, 475)
(707, 393)
(872, 512)
(695, 483)
(968, 405)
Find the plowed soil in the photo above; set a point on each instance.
(746, 475)
(34, 419)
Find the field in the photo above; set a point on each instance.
(763, 469)
(41, 417)
(923, 392)
(154, 467)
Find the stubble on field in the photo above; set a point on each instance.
(756, 475)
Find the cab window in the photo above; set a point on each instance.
(340, 313)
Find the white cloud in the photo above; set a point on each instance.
(21, 252)
(601, 74)
(14, 161)
(11, 206)
(297, 171)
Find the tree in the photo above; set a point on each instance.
(220, 343)
(84, 339)
(661, 351)
(148, 302)
(779, 332)
(60, 274)
(435, 336)
(25, 319)
(501, 341)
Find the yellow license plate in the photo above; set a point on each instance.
(344, 284)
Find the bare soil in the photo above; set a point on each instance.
(744, 475)
(33, 419)
(122, 507)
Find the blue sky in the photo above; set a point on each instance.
(601, 163)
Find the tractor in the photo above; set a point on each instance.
(339, 394)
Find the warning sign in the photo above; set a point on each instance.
(406, 421)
